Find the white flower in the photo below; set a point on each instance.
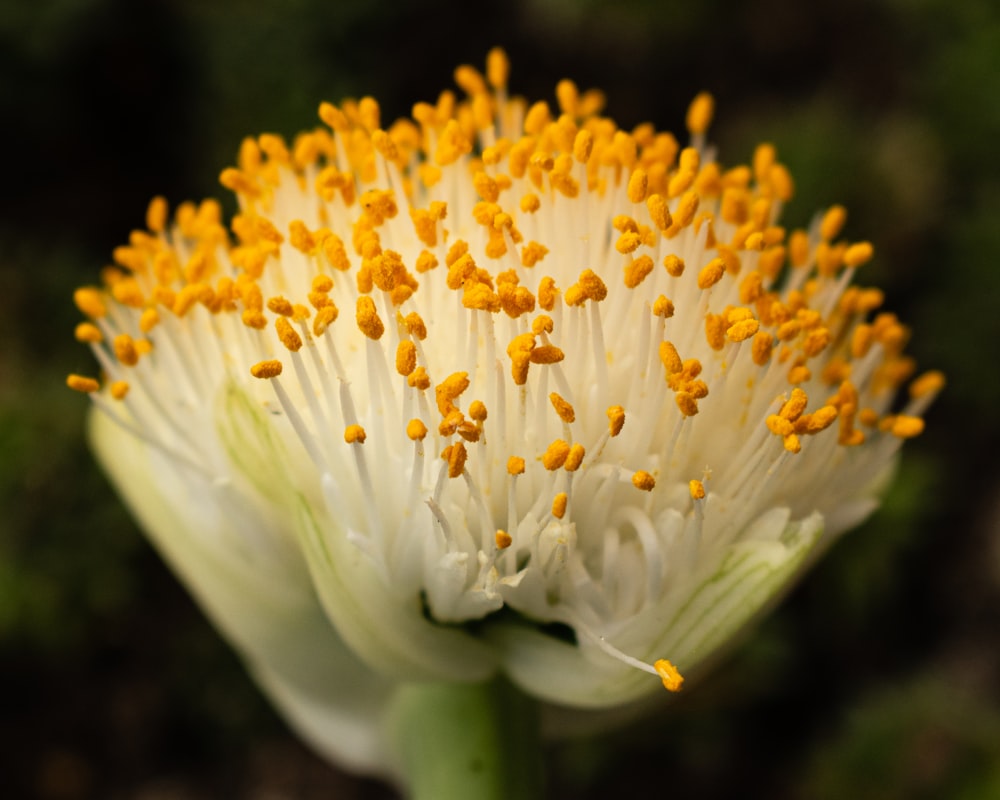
(503, 390)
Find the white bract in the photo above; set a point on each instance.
(491, 390)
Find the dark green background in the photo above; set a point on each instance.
(878, 678)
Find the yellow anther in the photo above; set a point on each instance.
(792, 443)
(125, 350)
(88, 332)
(555, 455)
(325, 317)
(426, 261)
(789, 330)
(858, 254)
(266, 369)
(592, 286)
(81, 383)
(537, 118)
(503, 539)
(149, 320)
(456, 456)
(671, 677)
(90, 302)
(419, 379)
(559, 505)
(530, 203)
(763, 345)
(628, 242)
(674, 265)
(449, 390)
(288, 335)
(781, 182)
(687, 403)
(792, 408)
(368, 319)
(563, 408)
(156, 215)
(711, 273)
(658, 211)
(833, 222)
(906, 427)
(575, 457)
(699, 113)
(663, 307)
(929, 383)
(819, 420)
(542, 324)
(697, 490)
(687, 207)
(477, 411)
(497, 68)
(638, 270)
(416, 430)
(406, 357)
(816, 341)
(798, 248)
(779, 426)
(486, 187)
(300, 238)
(616, 419)
(355, 434)
(638, 184)
(715, 331)
(670, 359)
(643, 480)
(764, 157)
(119, 389)
(253, 318)
(546, 354)
(547, 293)
(742, 330)
(583, 146)
(279, 305)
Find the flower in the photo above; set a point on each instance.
(492, 390)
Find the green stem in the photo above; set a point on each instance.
(460, 741)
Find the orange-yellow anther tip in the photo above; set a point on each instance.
(559, 505)
(669, 674)
(416, 430)
(858, 254)
(616, 419)
(355, 434)
(81, 383)
(697, 490)
(699, 114)
(266, 369)
(906, 427)
(503, 540)
(928, 383)
(643, 480)
(515, 465)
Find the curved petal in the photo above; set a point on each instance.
(750, 577)
(392, 635)
(265, 607)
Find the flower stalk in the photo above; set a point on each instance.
(461, 740)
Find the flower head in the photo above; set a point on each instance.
(504, 386)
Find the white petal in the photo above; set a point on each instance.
(266, 609)
(750, 578)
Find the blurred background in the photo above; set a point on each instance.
(878, 678)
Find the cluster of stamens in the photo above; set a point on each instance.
(565, 338)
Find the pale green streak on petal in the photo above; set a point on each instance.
(267, 610)
(253, 445)
(750, 578)
(388, 632)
